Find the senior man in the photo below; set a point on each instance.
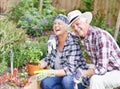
(101, 47)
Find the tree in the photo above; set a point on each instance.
(117, 26)
(40, 9)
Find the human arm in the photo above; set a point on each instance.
(84, 75)
(103, 47)
(70, 55)
(88, 72)
(51, 45)
(99, 50)
(81, 77)
(43, 73)
(74, 58)
(60, 72)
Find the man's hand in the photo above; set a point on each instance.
(51, 43)
(78, 78)
(41, 74)
(78, 75)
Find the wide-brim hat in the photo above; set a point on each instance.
(73, 15)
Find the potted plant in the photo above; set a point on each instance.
(33, 55)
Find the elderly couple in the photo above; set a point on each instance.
(68, 67)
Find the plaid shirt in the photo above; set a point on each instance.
(103, 49)
(71, 57)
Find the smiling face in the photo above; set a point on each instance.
(80, 27)
(59, 27)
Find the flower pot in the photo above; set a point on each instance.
(31, 67)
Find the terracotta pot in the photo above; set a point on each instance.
(32, 67)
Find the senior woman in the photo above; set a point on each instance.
(63, 60)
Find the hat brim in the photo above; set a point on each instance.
(87, 15)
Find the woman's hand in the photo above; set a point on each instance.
(41, 74)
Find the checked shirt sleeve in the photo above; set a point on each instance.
(75, 58)
(102, 54)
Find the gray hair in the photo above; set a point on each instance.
(62, 17)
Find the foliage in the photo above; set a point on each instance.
(9, 36)
(26, 14)
(118, 39)
(62, 11)
(99, 20)
(111, 31)
(88, 5)
(18, 10)
(43, 45)
(3, 66)
(19, 57)
(32, 51)
(85, 55)
(31, 21)
(16, 79)
(43, 39)
(13, 38)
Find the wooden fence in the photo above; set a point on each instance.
(98, 5)
(5, 4)
(108, 8)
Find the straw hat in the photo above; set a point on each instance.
(73, 15)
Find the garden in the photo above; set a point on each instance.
(24, 31)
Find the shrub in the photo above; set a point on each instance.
(9, 36)
(26, 14)
(32, 51)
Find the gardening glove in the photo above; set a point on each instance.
(41, 74)
(78, 78)
(51, 43)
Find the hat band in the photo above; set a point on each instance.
(73, 19)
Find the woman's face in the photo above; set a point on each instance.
(59, 27)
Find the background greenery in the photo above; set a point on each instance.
(25, 23)
(27, 15)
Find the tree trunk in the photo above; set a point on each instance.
(117, 26)
(40, 9)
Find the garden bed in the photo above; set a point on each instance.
(33, 85)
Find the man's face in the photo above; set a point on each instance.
(80, 27)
